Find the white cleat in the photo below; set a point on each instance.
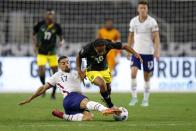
(133, 102)
(145, 103)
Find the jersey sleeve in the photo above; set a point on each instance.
(52, 80)
(84, 52)
(131, 26)
(59, 30)
(155, 26)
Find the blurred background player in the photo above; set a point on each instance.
(111, 33)
(97, 70)
(144, 33)
(75, 104)
(44, 42)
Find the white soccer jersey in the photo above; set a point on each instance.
(66, 82)
(143, 40)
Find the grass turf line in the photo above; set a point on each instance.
(167, 112)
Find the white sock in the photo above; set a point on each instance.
(146, 90)
(91, 105)
(76, 117)
(133, 88)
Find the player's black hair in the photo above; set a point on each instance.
(143, 2)
(61, 57)
(100, 42)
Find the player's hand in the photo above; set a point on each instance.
(128, 56)
(82, 75)
(157, 55)
(138, 56)
(24, 102)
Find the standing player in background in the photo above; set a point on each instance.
(144, 33)
(75, 104)
(110, 33)
(97, 70)
(44, 42)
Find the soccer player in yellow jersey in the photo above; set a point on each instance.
(110, 33)
(45, 35)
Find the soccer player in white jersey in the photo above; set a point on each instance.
(144, 37)
(77, 106)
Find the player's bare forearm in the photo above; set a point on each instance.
(130, 39)
(156, 39)
(34, 43)
(39, 91)
(78, 62)
(78, 66)
(130, 43)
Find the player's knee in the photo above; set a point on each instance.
(103, 87)
(41, 71)
(87, 117)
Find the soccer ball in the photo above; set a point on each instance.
(123, 116)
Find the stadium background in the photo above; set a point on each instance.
(80, 20)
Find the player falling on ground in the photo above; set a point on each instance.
(97, 70)
(75, 104)
(44, 41)
(144, 33)
(109, 32)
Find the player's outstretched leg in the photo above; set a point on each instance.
(92, 105)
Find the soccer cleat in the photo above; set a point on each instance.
(110, 111)
(145, 103)
(133, 101)
(58, 114)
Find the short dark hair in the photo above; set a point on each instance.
(61, 57)
(143, 2)
(99, 42)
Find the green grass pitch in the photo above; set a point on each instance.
(167, 112)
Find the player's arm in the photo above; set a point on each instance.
(35, 31)
(119, 45)
(39, 91)
(132, 51)
(156, 40)
(130, 40)
(78, 66)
